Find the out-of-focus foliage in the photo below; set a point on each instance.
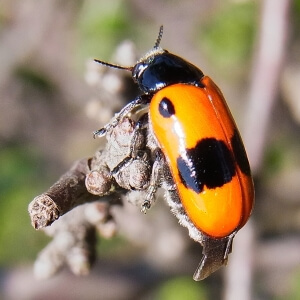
(181, 288)
(296, 12)
(113, 247)
(295, 288)
(34, 79)
(227, 38)
(20, 173)
(294, 291)
(274, 158)
(102, 25)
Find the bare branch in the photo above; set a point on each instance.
(262, 95)
(68, 192)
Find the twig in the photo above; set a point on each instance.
(265, 77)
(69, 191)
(262, 95)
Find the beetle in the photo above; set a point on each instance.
(198, 154)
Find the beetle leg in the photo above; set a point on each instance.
(215, 255)
(154, 181)
(133, 151)
(140, 100)
(140, 125)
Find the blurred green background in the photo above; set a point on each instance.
(44, 127)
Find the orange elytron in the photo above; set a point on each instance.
(198, 140)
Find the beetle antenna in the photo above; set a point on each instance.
(161, 29)
(113, 65)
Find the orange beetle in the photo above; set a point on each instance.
(200, 158)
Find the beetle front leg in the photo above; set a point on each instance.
(140, 100)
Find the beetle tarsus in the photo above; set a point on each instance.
(145, 206)
(100, 132)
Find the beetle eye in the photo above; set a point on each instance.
(138, 71)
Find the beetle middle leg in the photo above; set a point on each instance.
(136, 149)
(155, 180)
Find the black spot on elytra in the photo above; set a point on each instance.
(209, 164)
(166, 108)
(240, 153)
